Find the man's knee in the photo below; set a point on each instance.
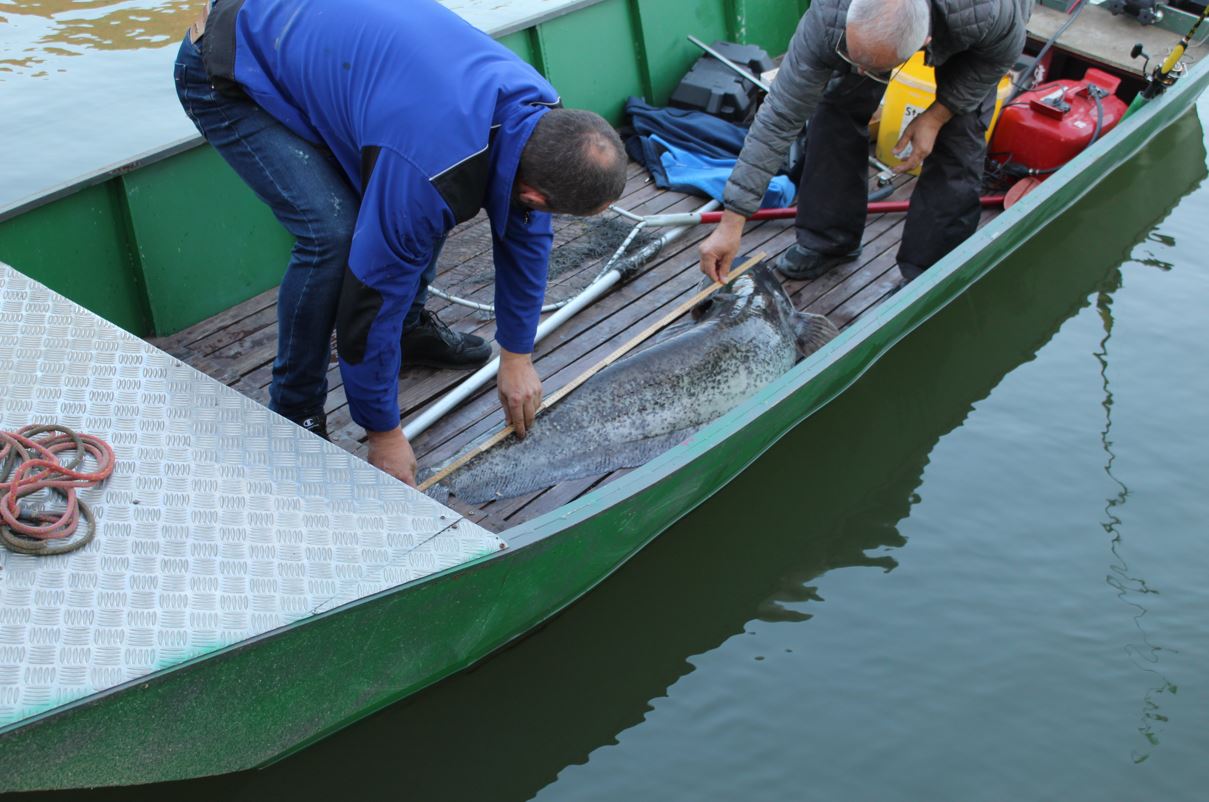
(329, 233)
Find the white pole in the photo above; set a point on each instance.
(589, 294)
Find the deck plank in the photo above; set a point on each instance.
(238, 345)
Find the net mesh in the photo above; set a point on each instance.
(581, 248)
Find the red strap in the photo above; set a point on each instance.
(36, 451)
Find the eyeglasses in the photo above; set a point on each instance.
(881, 77)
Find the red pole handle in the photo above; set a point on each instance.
(877, 207)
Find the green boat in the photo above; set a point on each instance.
(252, 589)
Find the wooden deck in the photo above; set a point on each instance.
(237, 346)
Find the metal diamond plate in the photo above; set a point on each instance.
(222, 520)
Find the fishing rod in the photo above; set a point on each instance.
(1166, 73)
(1030, 74)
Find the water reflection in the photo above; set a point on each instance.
(43, 32)
(1130, 589)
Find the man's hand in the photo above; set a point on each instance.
(920, 135)
(390, 452)
(520, 391)
(719, 248)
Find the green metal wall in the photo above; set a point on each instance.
(204, 241)
(80, 246)
(600, 55)
(164, 246)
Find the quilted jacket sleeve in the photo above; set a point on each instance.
(796, 92)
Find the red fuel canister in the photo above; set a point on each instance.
(1046, 127)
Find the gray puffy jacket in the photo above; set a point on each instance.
(979, 39)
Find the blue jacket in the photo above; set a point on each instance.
(428, 117)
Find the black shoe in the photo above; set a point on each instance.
(430, 342)
(316, 424)
(800, 263)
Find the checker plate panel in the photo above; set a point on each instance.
(222, 521)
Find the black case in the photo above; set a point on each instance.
(714, 88)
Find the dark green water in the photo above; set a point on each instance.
(978, 575)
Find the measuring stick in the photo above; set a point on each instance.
(670, 317)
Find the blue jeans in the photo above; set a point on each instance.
(310, 195)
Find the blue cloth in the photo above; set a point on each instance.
(418, 93)
(691, 151)
(689, 172)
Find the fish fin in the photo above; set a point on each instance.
(812, 332)
(578, 465)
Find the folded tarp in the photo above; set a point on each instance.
(691, 151)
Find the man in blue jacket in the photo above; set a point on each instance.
(372, 127)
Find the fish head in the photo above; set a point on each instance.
(758, 293)
(755, 293)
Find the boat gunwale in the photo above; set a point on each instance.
(522, 23)
(99, 176)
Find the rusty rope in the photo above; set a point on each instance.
(29, 463)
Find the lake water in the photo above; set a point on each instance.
(978, 575)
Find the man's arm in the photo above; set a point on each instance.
(966, 78)
(400, 218)
(795, 93)
(522, 257)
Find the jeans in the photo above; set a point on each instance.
(310, 195)
(834, 187)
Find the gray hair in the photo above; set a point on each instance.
(901, 24)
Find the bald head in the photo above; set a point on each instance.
(881, 34)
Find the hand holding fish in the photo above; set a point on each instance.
(719, 249)
(520, 390)
(390, 452)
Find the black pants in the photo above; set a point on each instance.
(834, 189)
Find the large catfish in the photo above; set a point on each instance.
(737, 341)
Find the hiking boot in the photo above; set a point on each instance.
(430, 342)
(315, 423)
(798, 263)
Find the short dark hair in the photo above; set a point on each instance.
(574, 158)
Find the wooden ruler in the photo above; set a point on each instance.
(563, 391)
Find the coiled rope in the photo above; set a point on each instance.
(29, 463)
